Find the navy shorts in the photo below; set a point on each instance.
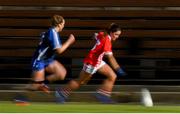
(41, 64)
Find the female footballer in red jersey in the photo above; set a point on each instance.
(94, 63)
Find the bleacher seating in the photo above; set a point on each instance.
(149, 48)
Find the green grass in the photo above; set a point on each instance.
(8, 107)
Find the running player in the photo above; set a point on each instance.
(44, 58)
(94, 63)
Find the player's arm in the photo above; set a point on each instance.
(114, 64)
(112, 61)
(65, 45)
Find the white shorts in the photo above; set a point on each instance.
(92, 69)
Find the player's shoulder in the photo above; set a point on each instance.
(102, 35)
(51, 29)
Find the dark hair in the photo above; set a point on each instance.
(56, 19)
(113, 28)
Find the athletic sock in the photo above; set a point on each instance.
(65, 92)
(104, 92)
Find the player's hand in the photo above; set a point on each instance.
(71, 38)
(120, 72)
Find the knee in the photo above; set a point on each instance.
(74, 84)
(60, 71)
(62, 75)
(113, 77)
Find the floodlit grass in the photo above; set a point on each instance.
(8, 107)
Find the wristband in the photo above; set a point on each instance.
(120, 72)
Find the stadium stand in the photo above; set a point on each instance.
(149, 48)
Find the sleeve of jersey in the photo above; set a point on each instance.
(54, 39)
(107, 46)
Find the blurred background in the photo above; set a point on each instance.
(148, 49)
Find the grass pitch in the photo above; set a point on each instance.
(9, 107)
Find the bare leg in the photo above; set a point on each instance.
(56, 70)
(108, 83)
(37, 78)
(84, 77)
(62, 93)
(104, 92)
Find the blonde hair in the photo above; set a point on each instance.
(56, 19)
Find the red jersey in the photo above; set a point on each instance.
(103, 46)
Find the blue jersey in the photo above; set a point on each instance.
(44, 54)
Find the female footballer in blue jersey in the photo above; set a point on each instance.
(44, 57)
